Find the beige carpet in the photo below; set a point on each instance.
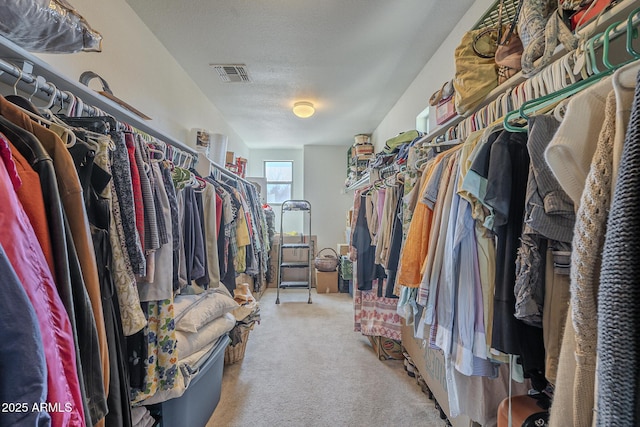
(304, 366)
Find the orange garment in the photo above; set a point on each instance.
(73, 203)
(415, 248)
(30, 195)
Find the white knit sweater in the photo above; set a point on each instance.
(570, 152)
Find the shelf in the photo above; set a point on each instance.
(294, 285)
(622, 9)
(294, 265)
(17, 56)
(359, 183)
(296, 246)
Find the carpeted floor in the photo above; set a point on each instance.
(304, 366)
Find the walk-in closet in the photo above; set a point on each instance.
(229, 214)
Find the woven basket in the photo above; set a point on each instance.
(233, 354)
(326, 262)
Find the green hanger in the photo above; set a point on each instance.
(605, 45)
(632, 33)
(547, 100)
(592, 53)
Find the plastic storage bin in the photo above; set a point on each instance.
(196, 405)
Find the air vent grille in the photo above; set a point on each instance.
(232, 73)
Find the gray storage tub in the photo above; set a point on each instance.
(196, 405)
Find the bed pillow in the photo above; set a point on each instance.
(190, 343)
(195, 311)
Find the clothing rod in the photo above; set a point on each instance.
(228, 173)
(34, 66)
(620, 10)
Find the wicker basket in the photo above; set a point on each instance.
(326, 262)
(233, 354)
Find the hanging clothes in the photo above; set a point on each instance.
(374, 313)
(25, 254)
(507, 181)
(618, 375)
(78, 228)
(128, 201)
(22, 348)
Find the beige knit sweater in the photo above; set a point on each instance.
(588, 242)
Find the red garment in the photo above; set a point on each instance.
(25, 254)
(218, 213)
(138, 200)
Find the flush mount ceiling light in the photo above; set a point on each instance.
(303, 109)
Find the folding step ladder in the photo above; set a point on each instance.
(289, 209)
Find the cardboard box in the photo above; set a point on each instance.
(245, 278)
(327, 282)
(230, 157)
(342, 249)
(431, 365)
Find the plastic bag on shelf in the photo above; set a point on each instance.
(47, 26)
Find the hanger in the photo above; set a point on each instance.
(15, 85)
(162, 153)
(632, 33)
(605, 45)
(201, 184)
(36, 84)
(560, 109)
(553, 98)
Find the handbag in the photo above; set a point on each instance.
(509, 50)
(476, 70)
(541, 28)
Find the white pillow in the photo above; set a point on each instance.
(194, 311)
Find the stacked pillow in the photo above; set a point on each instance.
(202, 319)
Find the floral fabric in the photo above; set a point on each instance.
(161, 363)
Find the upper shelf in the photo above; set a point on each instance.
(13, 54)
(616, 13)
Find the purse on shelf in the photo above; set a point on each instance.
(541, 28)
(509, 50)
(476, 70)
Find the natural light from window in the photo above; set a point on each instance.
(279, 176)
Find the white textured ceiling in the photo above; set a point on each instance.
(352, 58)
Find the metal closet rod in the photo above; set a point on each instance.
(51, 90)
(229, 174)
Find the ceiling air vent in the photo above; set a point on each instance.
(232, 73)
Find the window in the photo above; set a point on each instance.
(279, 176)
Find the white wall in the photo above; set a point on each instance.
(141, 71)
(324, 175)
(438, 70)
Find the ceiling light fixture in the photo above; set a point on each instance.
(303, 109)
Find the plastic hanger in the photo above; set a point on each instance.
(548, 100)
(52, 98)
(632, 33)
(592, 53)
(15, 85)
(605, 45)
(161, 152)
